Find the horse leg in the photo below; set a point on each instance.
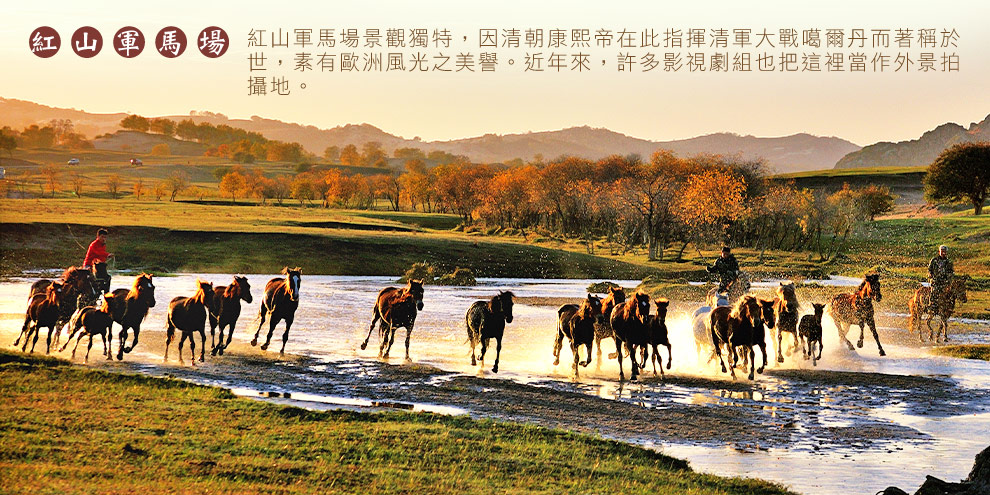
(575, 350)
(213, 343)
(409, 334)
(134, 341)
(843, 329)
(272, 322)
(752, 362)
(796, 343)
(588, 361)
(385, 330)
(670, 356)
(598, 343)
(374, 319)
(718, 350)
(654, 358)
(498, 353)
(632, 361)
(48, 340)
(37, 331)
(763, 349)
(122, 338)
(285, 335)
(618, 355)
(169, 336)
(76, 346)
(230, 335)
(876, 336)
(24, 328)
(106, 345)
(473, 340)
(182, 340)
(262, 314)
(558, 343)
(88, 348)
(862, 333)
(931, 331)
(780, 338)
(945, 328)
(202, 349)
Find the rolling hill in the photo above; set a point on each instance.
(916, 152)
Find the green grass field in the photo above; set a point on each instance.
(971, 351)
(69, 429)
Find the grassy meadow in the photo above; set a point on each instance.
(68, 429)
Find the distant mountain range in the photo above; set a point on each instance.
(921, 151)
(793, 153)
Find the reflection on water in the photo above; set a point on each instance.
(826, 453)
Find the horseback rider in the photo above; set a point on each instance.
(940, 275)
(96, 260)
(726, 268)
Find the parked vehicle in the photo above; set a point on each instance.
(136, 161)
(73, 161)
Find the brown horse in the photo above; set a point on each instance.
(737, 326)
(129, 308)
(486, 321)
(92, 321)
(396, 308)
(630, 326)
(920, 305)
(78, 291)
(811, 333)
(580, 325)
(787, 307)
(857, 308)
(603, 330)
(658, 335)
(188, 314)
(280, 303)
(225, 310)
(43, 311)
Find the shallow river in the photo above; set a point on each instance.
(811, 423)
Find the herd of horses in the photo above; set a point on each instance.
(730, 327)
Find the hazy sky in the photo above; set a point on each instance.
(862, 108)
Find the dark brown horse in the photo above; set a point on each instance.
(92, 321)
(787, 307)
(78, 291)
(225, 310)
(188, 314)
(734, 327)
(580, 325)
(810, 330)
(920, 304)
(630, 326)
(658, 335)
(486, 321)
(129, 308)
(759, 334)
(603, 330)
(396, 308)
(280, 303)
(857, 308)
(43, 311)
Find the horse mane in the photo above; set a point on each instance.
(73, 272)
(497, 298)
(233, 290)
(136, 288)
(200, 295)
(741, 307)
(105, 307)
(50, 294)
(585, 307)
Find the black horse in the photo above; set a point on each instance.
(129, 308)
(579, 324)
(658, 336)
(280, 303)
(226, 309)
(486, 321)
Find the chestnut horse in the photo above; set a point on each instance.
(603, 330)
(396, 308)
(759, 335)
(736, 326)
(188, 314)
(658, 335)
(280, 303)
(225, 310)
(857, 308)
(630, 326)
(92, 321)
(811, 333)
(787, 307)
(920, 304)
(78, 291)
(580, 325)
(43, 311)
(486, 321)
(129, 308)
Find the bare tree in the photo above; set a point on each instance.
(112, 184)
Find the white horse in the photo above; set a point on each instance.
(702, 327)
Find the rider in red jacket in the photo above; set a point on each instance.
(96, 257)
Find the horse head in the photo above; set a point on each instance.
(80, 281)
(204, 292)
(144, 289)
(107, 297)
(819, 311)
(615, 297)
(293, 277)
(958, 288)
(243, 288)
(592, 307)
(502, 304)
(768, 314)
(749, 308)
(661, 304)
(55, 292)
(642, 303)
(873, 286)
(415, 287)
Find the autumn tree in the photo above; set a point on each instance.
(52, 174)
(302, 189)
(78, 182)
(135, 123)
(112, 185)
(650, 193)
(332, 153)
(389, 187)
(175, 183)
(165, 127)
(161, 149)
(409, 154)
(232, 184)
(8, 141)
(874, 200)
(960, 173)
(372, 154)
(138, 188)
(710, 201)
(349, 156)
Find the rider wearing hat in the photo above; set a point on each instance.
(96, 259)
(726, 268)
(940, 274)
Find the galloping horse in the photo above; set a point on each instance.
(396, 308)
(486, 321)
(787, 307)
(857, 308)
(580, 325)
(188, 314)
(920, 305)
(280, 303)
(43, 311)
(77, 283)
(735, 327)
(701, 324)
(630, 325)
(603, 330)
(129, 308)
(811, 333)
(225, 310)
(92, 321)
(658, 335)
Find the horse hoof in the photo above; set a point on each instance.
(264, 347)
(128, 349)
(882, 353)
(859, 344)
(363, 346)
(780, 359)
(220, 352)
(555, 362)
(495, 369)
(254, 343)
(668, 367)
(213, 352)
